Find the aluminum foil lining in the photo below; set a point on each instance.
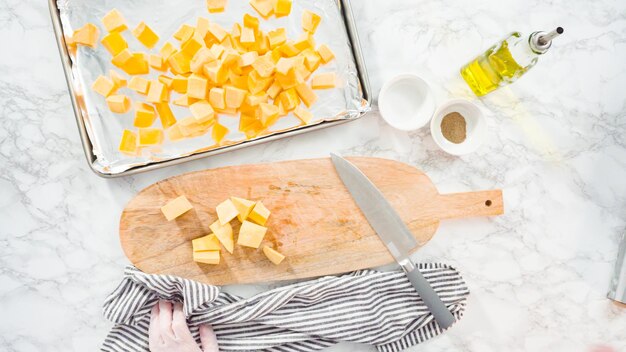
(164, 17)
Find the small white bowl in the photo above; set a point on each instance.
(406, 102)
(476, 127)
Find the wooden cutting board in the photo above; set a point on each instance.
(314, 220)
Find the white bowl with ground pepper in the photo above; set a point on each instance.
(458, 127)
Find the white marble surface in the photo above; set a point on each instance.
(557, 148)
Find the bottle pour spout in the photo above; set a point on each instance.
(540, 42)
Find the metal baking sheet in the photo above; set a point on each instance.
(100, 129)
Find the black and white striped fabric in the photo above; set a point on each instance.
(367, 306)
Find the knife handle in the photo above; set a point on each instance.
(435, 305)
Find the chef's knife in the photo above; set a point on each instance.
(393, 232)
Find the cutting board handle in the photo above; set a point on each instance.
(470, 204)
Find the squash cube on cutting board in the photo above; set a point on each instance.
(259, 214)
(206, 243)
(251, 234)
(224, 233)
(103, 86)
(226, 211)
(273, 255)
(114, 21)
(244, 207)
(118, 103)
(128, 144)
(145, 35)
(207, 257)
(176, 207)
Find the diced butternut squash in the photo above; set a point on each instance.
(118, 79)
(263, 7)
(224, 233)
(197, 86)
(325, 53)
(103, 86)
(269, 113)
(114, 43)
(264, 66)
(156, 61)
(114, 21)
(201, 57)
(157, 92)
(323, 81)
(250, 21)
(215, 6)
(118, 103)
(226, 211)
(273, 255)
(145, 35)
(310, 21)
(259, 214)
(247, 36)
(179, 85)
(248, 58)
(251, 234)
(183, 32)
(167, 50)
(139, 85)
(282, 8)
(165, 114)
(184, 100)
(128, 144)
(167, 80)
(144, 115)
(277, 37)
(216, 98)
(289, 99)
(206, 243)
(202, 111)
(86, 35)
(244, 207)
(303, 114)
(179, 63)
(207, 257)
(234, 97)
(176, 207)
(150, 136)
(306, 94)
(219, 132)
(192, 45)
(217, 31)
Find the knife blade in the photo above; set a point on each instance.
(393, 233)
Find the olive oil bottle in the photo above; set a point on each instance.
(506, 61)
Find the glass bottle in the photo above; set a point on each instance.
(506, 61)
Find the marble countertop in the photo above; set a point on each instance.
(557, 147)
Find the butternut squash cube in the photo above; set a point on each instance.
(325, 53)
(201, 57)
(216, 72)
(174, 133)
(157, 92)
(165, 114)
(167, 80)
(219, 132)
(251, 234)
(202, 26)
(118, 79)
(114, 43)
(282, 8)
(264, 66)
(145, 35)
(206, 243)
(289, 99)
(274, 90)
(202, 111)
(224, 233)
(150, 136)
(197, 86)
(215, 6)
(183, 32)
(284, 65)
(323, 81)
(217, 31)
(184, 100)
(179, 63)
(244, 207)
(192, 45)
(310, 21)
(86, 35)
(259, 214)
(119, 103)
(226, 211)
(114, 21)
(207, 257)
(277, 37)
(306, 94)
(176, 207)
(156, 61)
(103, 86)
(248, 58)
(234, 97)
(273, 255)
(128, 144)
(269, 113)
(167, 50)
(179, 85)
(250, 21)
(303, 114)
(263, 7)
(139, 85)
(247, 36)
(144, 115)
(216, 98)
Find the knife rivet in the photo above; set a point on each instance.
(488, 203)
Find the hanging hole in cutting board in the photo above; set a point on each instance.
(488, 202)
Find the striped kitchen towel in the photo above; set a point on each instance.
(366, 306)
